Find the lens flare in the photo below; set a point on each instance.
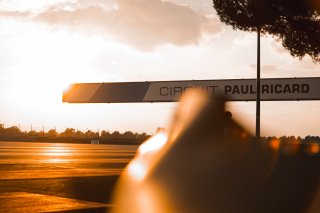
(275, 144)
(142, 163)
(154, 144)
(314, 149)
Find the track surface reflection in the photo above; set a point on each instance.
(55, 177)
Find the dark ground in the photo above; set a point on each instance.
(59, 177)
(94, 189)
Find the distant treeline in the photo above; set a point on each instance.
(14, 133)
(294, 140)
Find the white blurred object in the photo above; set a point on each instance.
(207, 163)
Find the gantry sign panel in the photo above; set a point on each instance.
(273, 89)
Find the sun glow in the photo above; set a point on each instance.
(57, 152)
(51, 62)
(45, 63)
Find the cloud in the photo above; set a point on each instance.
(144, 24)
(266, 68)
(277, 46)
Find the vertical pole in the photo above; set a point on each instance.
(258, 86)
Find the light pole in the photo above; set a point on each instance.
(257, 5)
(3, 127)
(258, 86)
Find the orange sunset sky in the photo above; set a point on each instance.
(48, 44)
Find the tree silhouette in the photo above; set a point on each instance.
(52, 133)
(296, 23)
(69, 132)
(115, 134)
(14, 130)
(128, 135)
(90, 134)
(105, 134)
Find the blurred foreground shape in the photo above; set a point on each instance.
(206, 162)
